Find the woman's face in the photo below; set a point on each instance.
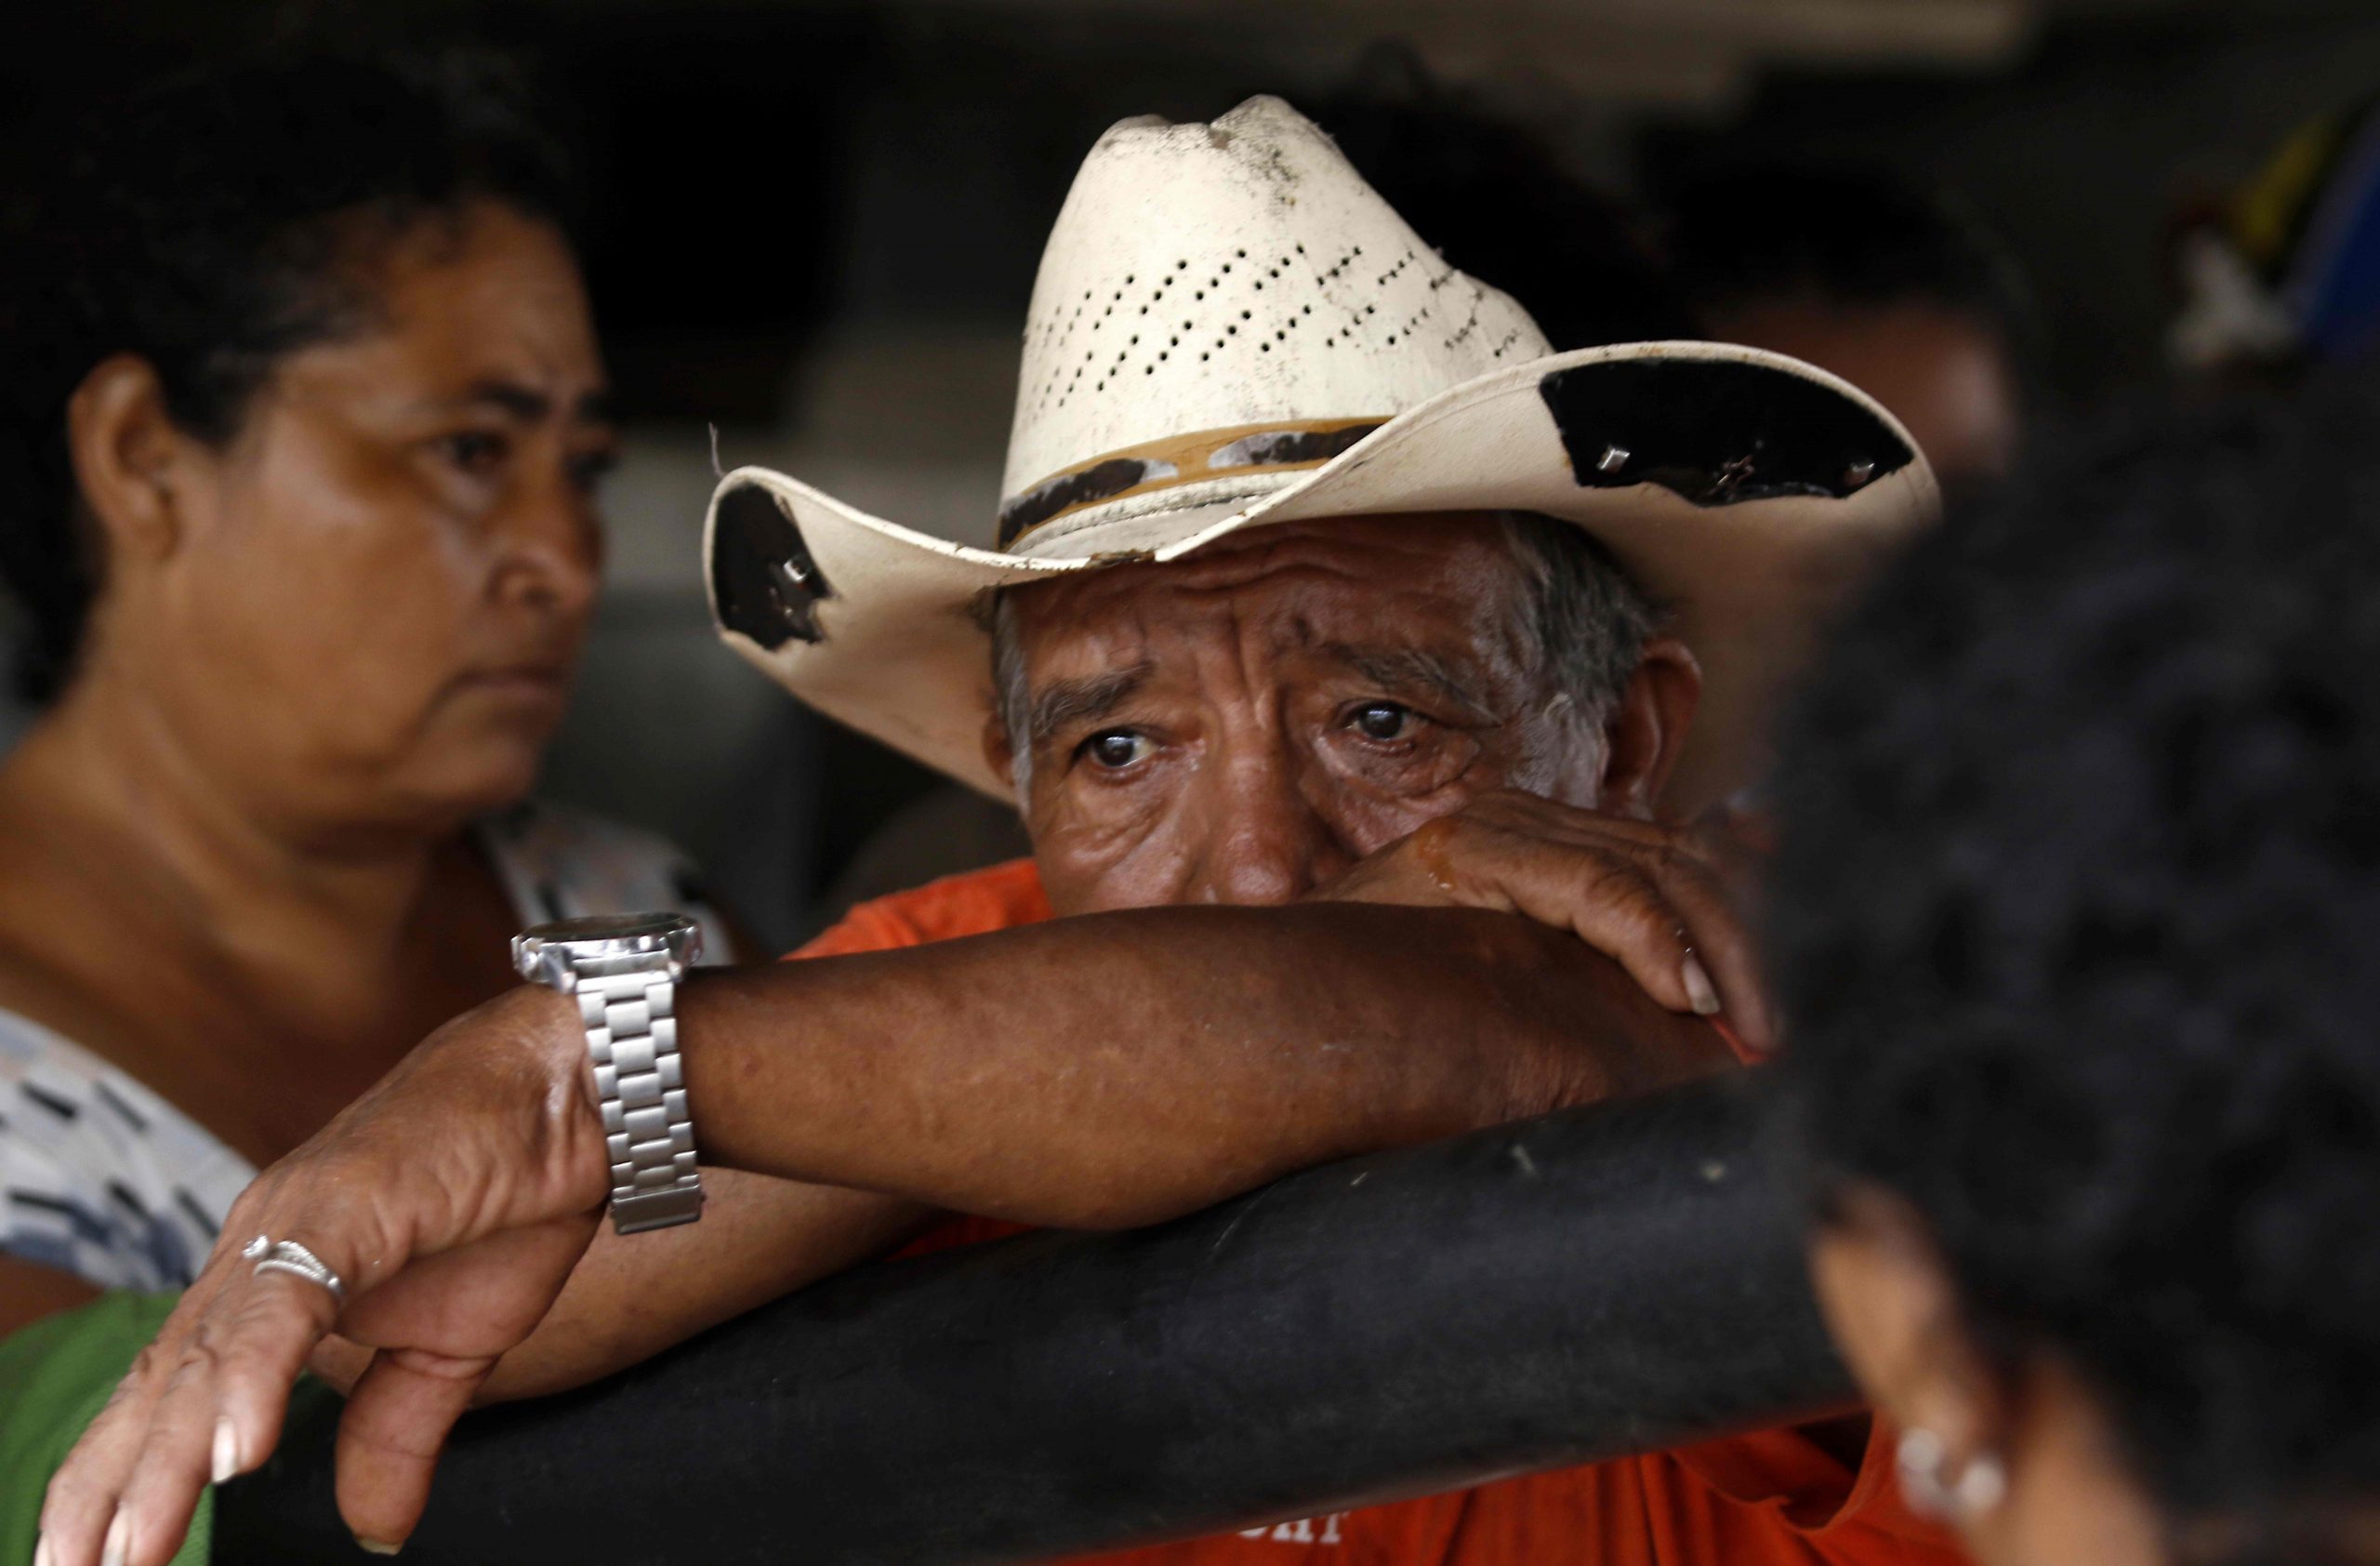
(375, 593)
(2066, 1496)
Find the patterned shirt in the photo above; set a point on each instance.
(102, 1178)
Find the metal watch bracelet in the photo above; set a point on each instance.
(628, 1008)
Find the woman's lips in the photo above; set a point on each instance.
(518, 681)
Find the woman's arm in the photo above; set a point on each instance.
(30, 1291)
(761, 1239)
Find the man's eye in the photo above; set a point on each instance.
(1116, 748)
(1384, 721)
(474, 451)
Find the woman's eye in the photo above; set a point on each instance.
(590, 470)
(1384, 721)
(1116, 748)
(474, 451)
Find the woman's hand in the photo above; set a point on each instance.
(453, 1200)
(1655, 899)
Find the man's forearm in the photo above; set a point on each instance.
(1105, 1070)
(1121, 1069)
(1102, 1071)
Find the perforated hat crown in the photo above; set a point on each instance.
(1220, 307)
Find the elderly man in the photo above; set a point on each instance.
(1310, 592)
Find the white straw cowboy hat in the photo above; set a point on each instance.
(1231, 328)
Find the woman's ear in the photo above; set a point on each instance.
(1893, 1310)
(128, 457)
(2021, 1456)
(1646, 730)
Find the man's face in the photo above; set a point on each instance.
(1240, 726)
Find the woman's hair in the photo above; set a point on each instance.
(212, 224)
(2075, 919)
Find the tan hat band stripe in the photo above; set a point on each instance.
(1178, 460)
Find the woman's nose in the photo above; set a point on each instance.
(555, 550)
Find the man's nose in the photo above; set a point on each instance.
(1269, 843)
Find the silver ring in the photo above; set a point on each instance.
(288, 1256)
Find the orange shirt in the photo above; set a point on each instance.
(1771, 1498)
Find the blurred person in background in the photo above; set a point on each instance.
(1891, 288)
(305, 424)
(1495, 198)
(2284, 274)
(2076, 903)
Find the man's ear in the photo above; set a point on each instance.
(1646, 730)
(127, 458)
(999, 754)
(1893, 1310)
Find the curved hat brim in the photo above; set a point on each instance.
(1744, 490)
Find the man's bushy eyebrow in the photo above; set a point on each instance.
(1413, 669)
(1088, 698)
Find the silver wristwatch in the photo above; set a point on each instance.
(625, 970)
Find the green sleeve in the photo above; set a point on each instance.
(55, 1376)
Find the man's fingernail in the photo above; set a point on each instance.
(119, 1540)
(227, 1450)
(1698, 991)
(42, 1556)
(374, 1547)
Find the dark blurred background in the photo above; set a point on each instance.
(814, 226)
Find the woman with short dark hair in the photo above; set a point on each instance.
(297, 473)
(2074, 919)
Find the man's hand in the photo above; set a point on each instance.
(453, 1199)
(1650, 897)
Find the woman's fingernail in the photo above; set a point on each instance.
(42, 1556)
(227, 1450)
(1698, 991)
(119, 1540)
(374, 1547)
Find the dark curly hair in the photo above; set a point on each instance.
(211, 224)
(2074, 916)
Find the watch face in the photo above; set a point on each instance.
(611, 927)
(545, 952)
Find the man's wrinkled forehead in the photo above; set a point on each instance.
(1453, 561)
(1423, 597)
